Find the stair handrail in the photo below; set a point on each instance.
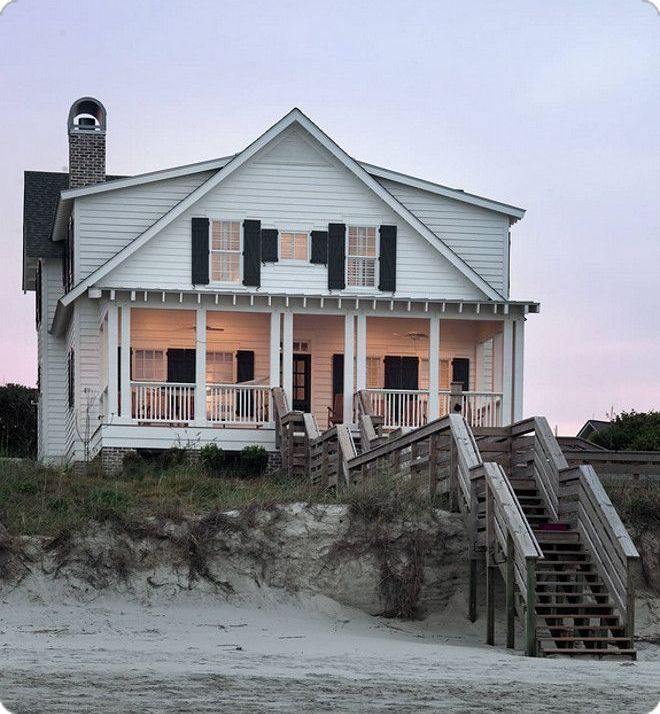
(585, 503)
(512, 547)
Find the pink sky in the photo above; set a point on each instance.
(555, 111)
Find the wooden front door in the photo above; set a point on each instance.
(302, 382)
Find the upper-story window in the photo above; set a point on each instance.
(225, 251)
(294, 246)
(361, 261)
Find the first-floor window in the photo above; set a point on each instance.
(294, 246)
(423, 373)
(225, 251)
(445, 378)
(71, 360)
(220, 368)
(361, 256)
(149, 366)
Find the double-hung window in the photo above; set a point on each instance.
(225, 251)
(220, 368)
(149, 366)
(294, 245)
(374, 373)
(361, 257)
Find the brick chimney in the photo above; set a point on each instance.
(87, 126)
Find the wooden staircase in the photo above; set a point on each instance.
(574, 613)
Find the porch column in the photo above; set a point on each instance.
(507, 372)
(200, 367)
(287, 357)
(125, 367)
(519, 363)
(434, 367)
(361, 353)
(275, 329)
(113, 369)
(349, 366)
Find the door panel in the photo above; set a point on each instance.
(302, 382)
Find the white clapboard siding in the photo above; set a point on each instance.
(284, 195)
(52, 359)
(107, 222)
(477, 235)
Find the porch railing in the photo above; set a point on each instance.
(163, 401)
(409, 407)
(238, 404)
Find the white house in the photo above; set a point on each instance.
(170, 303)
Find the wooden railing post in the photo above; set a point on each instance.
(630, 597)
(456, 398)
(490, 569)
(453, 476)
(530, 613)
(510, 603)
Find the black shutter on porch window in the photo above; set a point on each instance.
(461, 372)
(319, 247)
(269, 245)
(200, 251)
(336, 256)
(181, 366)
(387, 277)
(244, 366)
(252, 253)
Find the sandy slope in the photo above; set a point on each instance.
(278, 653)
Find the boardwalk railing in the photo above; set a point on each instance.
(289, 434)
(584, 503)
(238, 403)
(163, 401)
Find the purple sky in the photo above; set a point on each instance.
(553, 106)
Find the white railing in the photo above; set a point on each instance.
(479, 408)
(162, 401)
(238, 404)
(400, 407)
(409, 407)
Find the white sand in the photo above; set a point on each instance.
(278, 653)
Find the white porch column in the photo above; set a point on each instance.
(287, 357)
(507, 372)
(113, 369)
(349, 366)
(275, 330)
(518, 369)
(361, 353)
(200, 367)
(125, 367)
(434, 367)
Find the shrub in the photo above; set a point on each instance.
(254, 460)
(631, 431)
(18, 421)
(172, 457)
(212, 458)
(132, 465)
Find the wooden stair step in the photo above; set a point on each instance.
(576, 608)
(567, 629)
(572, 652)
(577, 638)
(541, 566)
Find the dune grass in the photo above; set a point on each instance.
(637, 501)
(40, 500)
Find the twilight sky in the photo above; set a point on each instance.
(553, 106)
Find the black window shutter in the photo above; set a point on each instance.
(319, 247)
(244, 365)
(181, 366)
(401, 372)
(336, 256)
(337, 374)
(460, 372)
(387, 277)
(200, 251)
(269, 245)
(252, 253)
(71, 379)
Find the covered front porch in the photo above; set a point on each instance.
(184, 366)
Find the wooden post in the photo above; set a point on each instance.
(530, 615)
(434, 368)
(490, 569)
(453, 475)
(349, 366)
(472, 605)
(518, 368)
(287, 356)
(507, 373)
(473, 538)
(630, 604)
(126, 397)
(456, 398)
(510, 603)
(433, 465)
(200, 367)
(275, 332)
(113, 369)
(360, 352)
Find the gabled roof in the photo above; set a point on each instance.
(297, 117)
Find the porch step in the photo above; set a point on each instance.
(574, 652)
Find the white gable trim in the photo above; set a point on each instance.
(456, 194)
(293, 116)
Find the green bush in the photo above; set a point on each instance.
(171, 458)
(631, 431)
(132, 465)
(212, 458)
(253, 460)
